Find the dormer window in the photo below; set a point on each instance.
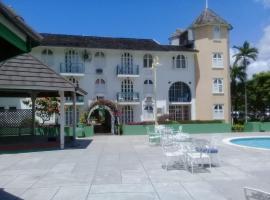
(47, 57)
(216, 32)
(148, 61)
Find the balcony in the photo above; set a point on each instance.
(72, 69)
(79, 100)
(127, 71)
(128, 98)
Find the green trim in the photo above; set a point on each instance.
(257, 127)
(187, 128)
(13, 39)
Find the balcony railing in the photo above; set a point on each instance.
(127, 70)
(128, 97)
(72, 68)
(79, 99)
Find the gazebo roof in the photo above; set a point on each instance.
(25, 73)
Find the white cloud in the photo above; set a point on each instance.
(266, 3)
(263, 61)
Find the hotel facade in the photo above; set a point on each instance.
(192, 74)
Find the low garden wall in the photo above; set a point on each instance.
(257, 127)
(188, 128)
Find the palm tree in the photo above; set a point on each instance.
(243, 57)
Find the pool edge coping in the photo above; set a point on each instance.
(228, 142)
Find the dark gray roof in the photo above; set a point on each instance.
(18, 22)
(61, 40)
(26, 72)
(208, 16)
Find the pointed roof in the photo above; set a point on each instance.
(209, 17)
(24, 72)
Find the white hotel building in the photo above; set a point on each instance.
(192, 75)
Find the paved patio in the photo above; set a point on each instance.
(126, 167)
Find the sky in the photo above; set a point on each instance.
(155, 19)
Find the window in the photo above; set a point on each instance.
(2, 108)
(179, 92)
(179, 62)
(127, 90)
(148, 87)
(99, 71)
(148, 61)
(72, 64)
(217, 60)
(47, 57)
(149, 108)
(12, 108)
(126, 60)
(100, 86)
(99, 60)
(218, 111)
(216, 32)
(127, 115)
(179, 112)
(69, 116)
(74, 81)
(218, 86)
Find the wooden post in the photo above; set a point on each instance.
(62, 119)
(74, 117)
(33, 99)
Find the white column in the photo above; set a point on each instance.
(62, 119)
(74, 115)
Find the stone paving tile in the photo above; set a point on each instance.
(126, 167)
(112, 176)
(123, 196)
(171, 191)
(202, 191)
(122, 188)
(72, 193)
(40, 193)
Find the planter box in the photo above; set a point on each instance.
(188, 128)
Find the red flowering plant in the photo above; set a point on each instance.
(45, 107)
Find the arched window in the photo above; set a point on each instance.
(148, 82)
(148, 87)
(47, 57)
(148, 108)
(181, 62)
(99, 59)
(217, 60)
(179, 92)
(100, 86)
(72, 61)
(148, 61)
(127, 115)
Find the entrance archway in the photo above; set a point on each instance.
(103, 121)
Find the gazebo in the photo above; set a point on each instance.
(25, 76)
(16, 37)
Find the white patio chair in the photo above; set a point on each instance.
(153, 136)
(255, 194)
(172, 150)
(197, 158)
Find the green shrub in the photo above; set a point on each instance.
(238, 128)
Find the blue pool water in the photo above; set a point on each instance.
(253, 142)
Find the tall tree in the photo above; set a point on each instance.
(259, 95)
(244, 56)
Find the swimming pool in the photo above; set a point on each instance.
(259, 142)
